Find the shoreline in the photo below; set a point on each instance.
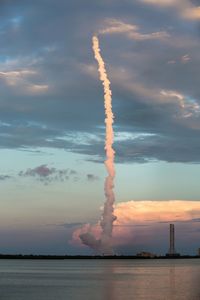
(63, 257)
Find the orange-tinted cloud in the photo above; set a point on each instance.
(185, 8)
(143, 214)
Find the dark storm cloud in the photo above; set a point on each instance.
(92, 177)
(196, 220)
(4, 177)
(72, 225)
(48, 175)
(51, 95)
(193, 220)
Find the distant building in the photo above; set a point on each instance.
(146, 254)
(172, 252)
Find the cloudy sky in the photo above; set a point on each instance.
(52, 123)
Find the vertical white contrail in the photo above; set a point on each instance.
(108, 216)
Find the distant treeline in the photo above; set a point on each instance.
(30, 256)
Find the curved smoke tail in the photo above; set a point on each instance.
(105, 243)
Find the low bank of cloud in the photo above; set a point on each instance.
(142, 221)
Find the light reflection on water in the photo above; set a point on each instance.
(100, 279)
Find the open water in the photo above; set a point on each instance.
(100, 279)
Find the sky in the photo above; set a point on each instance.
(52, 126)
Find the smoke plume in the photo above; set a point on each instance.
(105, 242)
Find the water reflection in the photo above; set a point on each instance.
(152, 280)
(172, 282)
(100, 280)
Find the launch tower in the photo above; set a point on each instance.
(172, 251)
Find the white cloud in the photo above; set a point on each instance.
(185, 58)
(171, 62)
(163, 2)
(184, 7)
(114, 26)
(122, 136)
(21, 80)
(38, 88)
(15, 76)
(174, 94)
(189, 106)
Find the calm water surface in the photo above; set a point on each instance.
(100, 279)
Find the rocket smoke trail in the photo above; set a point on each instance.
(104, 244)
(107, 217)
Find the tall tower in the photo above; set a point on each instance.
(172, 251)
(172, 240)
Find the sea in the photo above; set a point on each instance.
(99, 279)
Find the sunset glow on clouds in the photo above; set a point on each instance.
(185, 7)
(148, 215)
